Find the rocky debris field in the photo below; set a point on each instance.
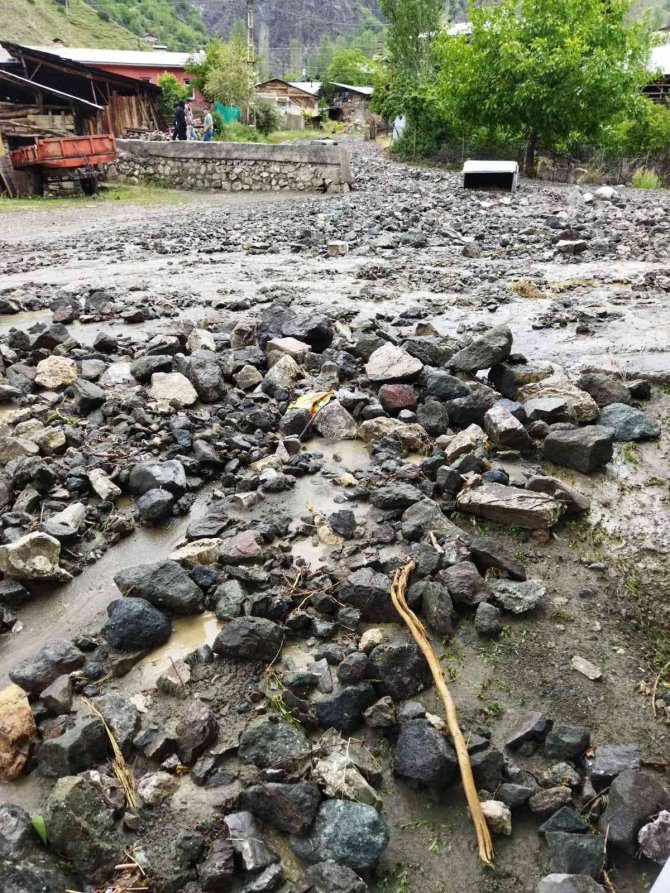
(223, 429)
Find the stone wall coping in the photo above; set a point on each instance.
(298, 153)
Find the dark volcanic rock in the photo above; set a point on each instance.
(629, 423)
(288, 807)
(343, 710)
(165, 585)
(370, 592)
(584, 449)
(216, 872)
(80, 826)
(155, 506)
(168, 475)
(566, 742)
(249, 638)
(134, 623)
(489, 553)
(399, 671)
(436, 603)
(491, 348)
(423, 755)
(83, 746)
(576, 853)
(53, 660)
(634, 797)
(465, 584)
(330, 877)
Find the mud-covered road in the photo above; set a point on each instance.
(581, 280)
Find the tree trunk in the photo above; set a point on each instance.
(531, 149)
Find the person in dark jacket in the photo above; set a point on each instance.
(179, 132)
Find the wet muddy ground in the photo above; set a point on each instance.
(607, 575)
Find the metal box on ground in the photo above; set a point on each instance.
(491, 175)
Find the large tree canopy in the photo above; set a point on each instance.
(549, 71)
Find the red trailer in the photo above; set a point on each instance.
(75, 157)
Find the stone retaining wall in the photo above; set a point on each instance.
(233, 167)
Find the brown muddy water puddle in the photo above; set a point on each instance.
(80, 606)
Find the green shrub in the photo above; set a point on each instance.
(235, 132)
(644, 178)
(268, 117)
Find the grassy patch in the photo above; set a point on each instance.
(133, 195)
(43, 21)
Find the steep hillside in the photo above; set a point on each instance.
(302, 21)
(174, 23)
(43, 21)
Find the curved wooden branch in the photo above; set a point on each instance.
(415, 626)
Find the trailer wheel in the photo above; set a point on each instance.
(89, 184)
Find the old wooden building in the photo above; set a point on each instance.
(42, 93)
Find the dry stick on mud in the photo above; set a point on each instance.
(415, 626)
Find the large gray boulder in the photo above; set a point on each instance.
(423, 756)
(352, 834)
(491, 348)
(169, 475)
(634, 797)
(81, 827)
(629, 423)
(584, 449)
(164, 585)
(134, 624)
(269, 740)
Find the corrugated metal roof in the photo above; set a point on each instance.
(311, 87)
(92, 56)
(365, 91)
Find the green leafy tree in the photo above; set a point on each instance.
(547, 72)
(229, 82)
(223, 72)
(351, 67)
(172, 90)
(412, 28)
(267, 116)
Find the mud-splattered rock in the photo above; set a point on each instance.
(288, 807)
(81, 827)
(249, 638)
(197, 729)
(399, 671)
(270, 740)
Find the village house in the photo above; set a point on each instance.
(659, 89)
(145, 66)
(297, 100)
(350, 103)
(44, 94)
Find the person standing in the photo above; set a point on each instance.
(179, 132)
(208, 125)
(190, 123)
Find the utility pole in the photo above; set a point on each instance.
(251, 61)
